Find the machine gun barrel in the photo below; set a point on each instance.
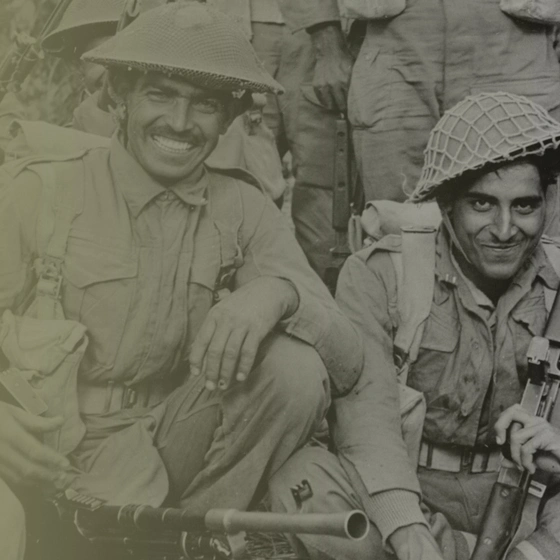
(353, 525)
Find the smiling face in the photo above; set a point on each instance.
(173, 126)
(498, 221)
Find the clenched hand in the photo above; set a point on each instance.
(24, 459)
(333, 66)
(229, 338)
(414, 542)
(533, 441)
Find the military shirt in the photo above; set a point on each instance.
(142, 263)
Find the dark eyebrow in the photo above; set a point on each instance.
(528, 200)
(472, 195)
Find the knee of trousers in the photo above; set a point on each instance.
(298, 378)
(12, 524)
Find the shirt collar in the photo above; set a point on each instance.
(139, 189)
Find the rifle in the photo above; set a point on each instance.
(25, 52)
(510, 515)
(173, 532)
(345, 200)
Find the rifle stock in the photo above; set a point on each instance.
(510, 515)
(25, 52)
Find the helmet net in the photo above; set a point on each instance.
(481, 129)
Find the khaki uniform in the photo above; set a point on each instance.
(471, 366)
(140, 271)
(413, 67)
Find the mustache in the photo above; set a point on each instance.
(177, 136)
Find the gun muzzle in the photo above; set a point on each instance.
(352, 525)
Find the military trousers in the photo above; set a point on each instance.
(198, 449)
(454, 504)
(306, 129)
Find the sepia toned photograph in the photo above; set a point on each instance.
(278, 279)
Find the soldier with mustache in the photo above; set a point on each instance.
(199, 347)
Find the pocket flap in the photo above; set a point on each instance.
(439, 335)
(89, 263)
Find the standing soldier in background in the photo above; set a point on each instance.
(304, 123)
(414, 66)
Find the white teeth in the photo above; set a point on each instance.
(172, 145)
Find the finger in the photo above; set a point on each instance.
(200, 345)
(514, 443)
(527, 454)
(214, 355)
(339, 95)
(36, 424)
(230, 358)
(507, 418)
(25, 471)
(26, 445)
(324, 97)
(248, 355)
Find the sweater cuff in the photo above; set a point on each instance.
(394, 509)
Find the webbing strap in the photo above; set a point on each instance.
(227, 216)
(416, 278)
(62, 201)
(553, 253)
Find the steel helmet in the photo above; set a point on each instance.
(83, 21)
(483, 129)
(191, 40)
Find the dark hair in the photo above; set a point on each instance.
(548, 166)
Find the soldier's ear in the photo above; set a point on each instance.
(235, 107)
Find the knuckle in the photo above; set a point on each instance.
(230, 354)
(214, 354)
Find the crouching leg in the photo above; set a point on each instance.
(251, 429)
(332, 493)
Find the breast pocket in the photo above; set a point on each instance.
(439, 340)
(100, 282)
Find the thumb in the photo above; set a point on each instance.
(37, 424)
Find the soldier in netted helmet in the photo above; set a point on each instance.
(453, 310)
(212, 347)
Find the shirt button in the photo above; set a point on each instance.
(475, 345)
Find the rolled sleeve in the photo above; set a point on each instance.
(270, 249)
(367, 432)
(300, 15)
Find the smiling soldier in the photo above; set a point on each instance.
(455, 310)
(211, 345)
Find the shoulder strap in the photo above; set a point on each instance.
(62, 201)
(226, 211)
(414, 267)
(552, 250)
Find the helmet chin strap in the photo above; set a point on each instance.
(454, 239)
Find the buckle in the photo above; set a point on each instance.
(129, 397)
(50, 279)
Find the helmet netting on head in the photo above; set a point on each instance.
(482, 129)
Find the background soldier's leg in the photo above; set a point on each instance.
(12, 525)
(310, 131)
